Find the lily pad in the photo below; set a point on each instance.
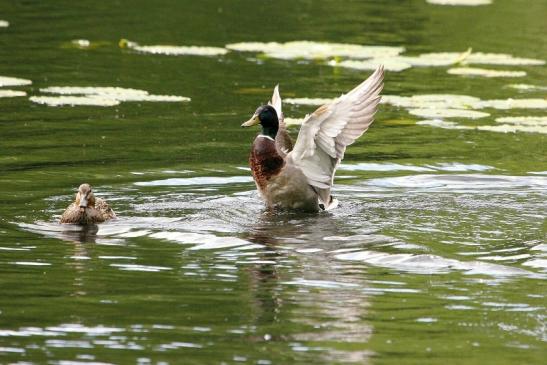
(469, 57)
(448, 113)
(527, 87)
(513, 104)
(13, 81)
(472, 71)
(390, 64)
(115, 93)
(11, 93)
(437, 101)
(315, 50)
(174, 50)
(460, 2)
(524, 121)
(512, 128)
(439, 123)
(73, 100)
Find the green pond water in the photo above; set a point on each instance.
(436, 255)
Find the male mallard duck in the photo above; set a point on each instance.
(301, 178)
(87, 209)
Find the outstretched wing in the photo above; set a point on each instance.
(325, 133)
(283, 141)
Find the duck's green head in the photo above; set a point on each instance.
(266, 116)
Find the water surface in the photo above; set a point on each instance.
(437, 253)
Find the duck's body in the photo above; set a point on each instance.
(301, 178)
(87, 209)
(279, 182)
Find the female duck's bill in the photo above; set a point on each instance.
(301, 178)
(86, 209)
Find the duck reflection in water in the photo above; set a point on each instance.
(328, 301)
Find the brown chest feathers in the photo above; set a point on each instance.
(265, 161)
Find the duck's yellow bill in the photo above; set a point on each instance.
(253, 121)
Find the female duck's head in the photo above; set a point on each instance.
(85, 197)
(266, 116)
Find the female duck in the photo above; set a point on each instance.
(301, 178)
(87, 209)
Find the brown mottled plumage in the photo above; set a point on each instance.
(300, 177)
(87, 209)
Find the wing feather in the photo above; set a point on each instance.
(326, 133)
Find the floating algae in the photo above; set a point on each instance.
(174, 50)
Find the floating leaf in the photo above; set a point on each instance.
(437, 101)
(99, 96)
(11, 93)
(460, 2)
(390, 64)
(526, 87)
(501, 59)
(174, 50)
(448, 113)
(472, 71)
(115, 93)
(13, 81)
(525, 121)
(513, 104)
(73, 100)
(315, 50)
(442, 124)
(508, 128)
